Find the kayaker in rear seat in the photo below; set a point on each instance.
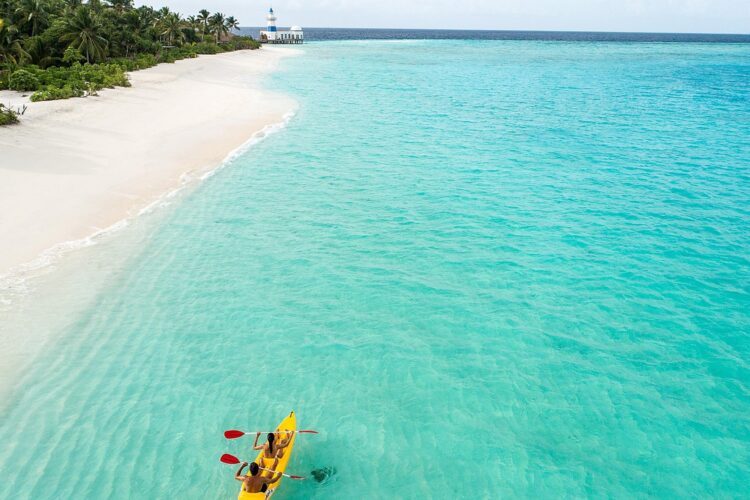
(274, 447)
(255, 482)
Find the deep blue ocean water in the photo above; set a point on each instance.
(338, 34)
(481, 269)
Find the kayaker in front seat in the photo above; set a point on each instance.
(274, 448)
(256, 482)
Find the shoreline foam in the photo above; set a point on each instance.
(30, 290)
(100, 163)
(27, 297)
(13, 282)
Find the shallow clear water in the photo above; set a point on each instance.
(479, 269)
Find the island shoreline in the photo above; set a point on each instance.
(38, 295)
(76, 169)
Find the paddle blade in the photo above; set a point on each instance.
(296, 477)
(233, 434)
(309, 431)
(229, 459)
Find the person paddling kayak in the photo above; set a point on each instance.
(256, 482)
(274, 447)
(275, 478)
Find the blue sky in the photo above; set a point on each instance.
(714, 16)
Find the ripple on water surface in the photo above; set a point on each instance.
(480, 269)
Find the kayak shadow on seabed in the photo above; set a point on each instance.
(324, 474)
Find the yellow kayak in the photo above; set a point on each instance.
(288, 424)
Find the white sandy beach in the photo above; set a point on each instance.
(77, 166)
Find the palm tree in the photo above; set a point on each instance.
(11, 49)
(146, 17)
(216, 26)
(160, 15)
(83, 31)
(72, 5)
(95, 5)
(120, 6)
(34, 13)
(203, 16)
(232, 24)
(192, 28)
(171, 27)
(163, 12)
(36, 47)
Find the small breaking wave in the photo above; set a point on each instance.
(14, 283)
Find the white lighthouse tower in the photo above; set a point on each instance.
(272, 35)
(271, 30)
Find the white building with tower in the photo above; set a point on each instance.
(272, 35)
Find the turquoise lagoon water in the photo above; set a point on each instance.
(480, 269)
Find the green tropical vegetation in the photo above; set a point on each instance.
(58, 49)
(7, 116)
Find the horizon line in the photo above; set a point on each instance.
(505, 30)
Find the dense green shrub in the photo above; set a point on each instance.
(7, 116)
(53, 93)
(79, 79)
(23, 80)
(176, 53)
(103, 75)
(142, 61)
(72, 55)
(241, 43)
(207, 48)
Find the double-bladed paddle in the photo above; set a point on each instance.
(232, 460)
(234, 434)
